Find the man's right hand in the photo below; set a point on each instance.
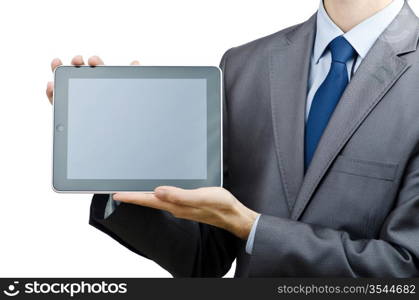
(76, 61)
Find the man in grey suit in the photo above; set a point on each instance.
(343, 204)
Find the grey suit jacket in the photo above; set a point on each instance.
(356, 210)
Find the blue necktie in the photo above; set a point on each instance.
(327, 95)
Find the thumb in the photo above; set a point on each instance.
(178, 196)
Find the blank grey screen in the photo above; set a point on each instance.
(137, 129)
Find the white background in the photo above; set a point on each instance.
(46, 234)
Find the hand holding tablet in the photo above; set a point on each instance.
(136, 128)
(76, 169)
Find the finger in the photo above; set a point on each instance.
(95, 61)
(180, 196)
(144, 199)
(50, 89)
(77, 60)
(135, 63)
(55, 63)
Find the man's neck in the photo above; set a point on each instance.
(346, 14)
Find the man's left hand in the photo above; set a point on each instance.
(212, 205)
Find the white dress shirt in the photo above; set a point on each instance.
(362, 37)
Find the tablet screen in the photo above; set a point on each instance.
(137, 128)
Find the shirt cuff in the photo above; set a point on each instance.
(111, 205)
(251, 238)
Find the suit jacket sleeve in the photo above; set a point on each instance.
(184, 248)
(284, 247)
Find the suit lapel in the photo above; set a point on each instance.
(378, 72)
(289, 68)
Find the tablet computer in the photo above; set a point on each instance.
(133, 128)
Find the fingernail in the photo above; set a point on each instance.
(160, 192)
(115, 197)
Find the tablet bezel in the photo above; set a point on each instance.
(62, 74)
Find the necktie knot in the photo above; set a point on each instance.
(341, 50)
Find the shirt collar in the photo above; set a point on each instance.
(362, 37)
